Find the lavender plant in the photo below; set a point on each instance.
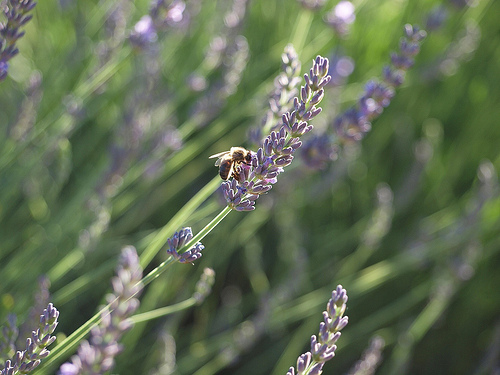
(29, 359)
(178, 240)
(278, 148)
(353, 124)
(42, 298)
(97, 356)
(87, 107)
(323, 346)
(17, 14)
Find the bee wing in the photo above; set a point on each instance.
(219, 155)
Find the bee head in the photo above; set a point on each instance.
(248, 157)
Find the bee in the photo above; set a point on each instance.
(229, 162)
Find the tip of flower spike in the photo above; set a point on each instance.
(414, 33)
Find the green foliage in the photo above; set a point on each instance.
(103, 147)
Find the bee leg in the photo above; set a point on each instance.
(236, 173)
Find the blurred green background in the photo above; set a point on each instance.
(104, 143)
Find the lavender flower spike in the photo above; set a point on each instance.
(16, 12)
(279, 146)
(178, 240)
(36, 345)
(354, 123)
(97, 356)
(323, 346)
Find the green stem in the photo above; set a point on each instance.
(302, 26)
(201, 234)
(67, 345)
(158, 313)
(179, 218)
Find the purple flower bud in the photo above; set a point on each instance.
(393, 77)
(284, 161)
(318, 97)
(178, 240)
(316, 369)
(4, 67)
(192, 254)
(323, 346)
(16, 15)
(329, 353)
(352, 125)
(436, 18)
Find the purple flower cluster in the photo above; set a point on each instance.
(318, 150)
(354, 123)
(42, 298)
(323, 346)
(278, 147)
(436, 18)
(97, 357)
(36, 345)
(16, 12)
(178, 240)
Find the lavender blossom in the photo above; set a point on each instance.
(278, 147)
(16, 12)
(36, 345)
(41, 299)
(354, 123)
(436, 18)
(178, 240)
(323, 346)
(318, 150)
(97, 356)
